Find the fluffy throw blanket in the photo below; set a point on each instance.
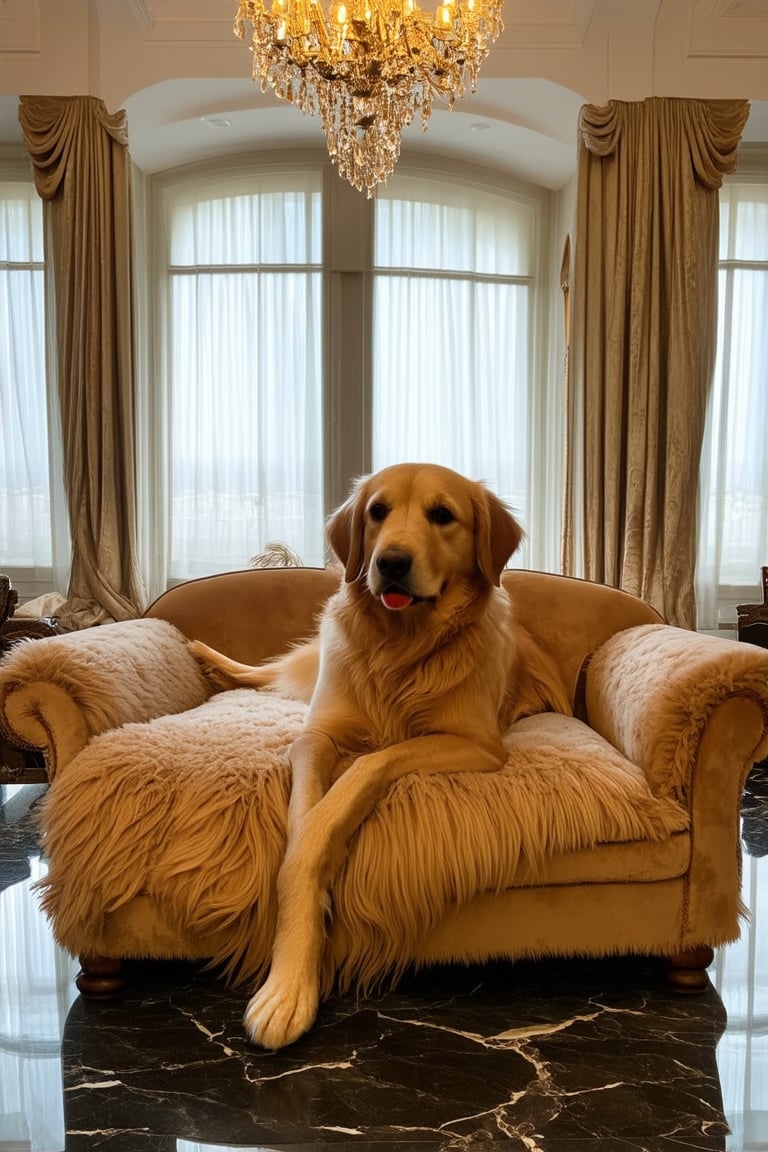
(190, 810)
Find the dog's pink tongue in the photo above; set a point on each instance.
(396, 600)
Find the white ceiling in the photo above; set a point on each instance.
(524, 127)
(494, 126)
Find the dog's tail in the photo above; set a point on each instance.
(293, 674)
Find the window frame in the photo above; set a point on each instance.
(717, 606)
(347, 293)
(31, 581)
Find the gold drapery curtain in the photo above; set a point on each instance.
(645, 312)
(82, 172)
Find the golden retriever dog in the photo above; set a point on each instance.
(418, 666)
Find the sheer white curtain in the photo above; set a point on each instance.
(243, 302)
(25, 500)
(454, 365)
(733, 533)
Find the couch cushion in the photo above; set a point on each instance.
(190, 810)
(621, 862)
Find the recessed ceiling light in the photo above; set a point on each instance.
(481, 127)
(215, 122)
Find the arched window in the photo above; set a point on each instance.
(298, 327)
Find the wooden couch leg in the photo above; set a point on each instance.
(100, 977)
(686, 971)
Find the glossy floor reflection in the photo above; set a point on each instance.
(557, 1057)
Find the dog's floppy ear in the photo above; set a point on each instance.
(346, 531)
(497, 534)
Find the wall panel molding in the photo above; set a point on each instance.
(559, 24)
(727, 29)
(188, 22)
(20, 26)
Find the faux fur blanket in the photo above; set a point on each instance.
(190, 809)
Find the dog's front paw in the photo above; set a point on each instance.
(281, 1011)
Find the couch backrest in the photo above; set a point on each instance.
(260, 612)
(572, 617)
(249, 615)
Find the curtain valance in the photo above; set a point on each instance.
(711, 128)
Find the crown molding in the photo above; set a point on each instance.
(752, 160)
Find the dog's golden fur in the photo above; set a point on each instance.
(419, 666)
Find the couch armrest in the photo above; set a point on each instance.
(59, 692)
(652, 691)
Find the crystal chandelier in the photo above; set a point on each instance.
(367, 67)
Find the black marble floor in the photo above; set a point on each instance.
(548, 1057)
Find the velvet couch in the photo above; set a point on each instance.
(614, 830)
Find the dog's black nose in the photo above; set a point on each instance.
(394, 563)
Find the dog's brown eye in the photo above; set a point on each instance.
(378, 511)
(441, 515)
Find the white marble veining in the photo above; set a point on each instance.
(548, 1057)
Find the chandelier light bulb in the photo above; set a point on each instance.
(366, 67)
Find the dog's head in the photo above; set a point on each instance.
(414, 530)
